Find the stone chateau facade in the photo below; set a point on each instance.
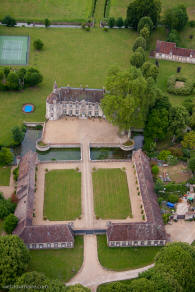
(169, 51)
(78, 102)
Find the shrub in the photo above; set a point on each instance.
(191, 164)
(16, 173)
(105, 29)
(173, 37)
(163, 155)
(145, 21)
(165, 218)
(10, 223)
(119, 22)
(9, 21)
(173, 198)
(111, 22)
(38, 44)
(87, 28)
(185, 90)
(176, 151)
(192, 23)
(139, 42)
(6, 156)
(155, 170)
(18, 135)
(47, 22)
(126, 23)
(6, 207)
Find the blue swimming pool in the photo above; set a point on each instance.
(28, 108)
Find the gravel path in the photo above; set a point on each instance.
(92, 274)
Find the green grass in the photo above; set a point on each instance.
(60, 264)
(55, 10)
(120, 258)
(111, 194)
(99, 10)
(119, 7)
(5, 175)
(70, 56)
(62, 199)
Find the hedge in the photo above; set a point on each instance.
(185, 90)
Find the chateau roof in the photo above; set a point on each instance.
(47, 234)
(62, 94)
(169, 47)
(153, 228)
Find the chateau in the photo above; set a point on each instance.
(169, 51)
(79, 102)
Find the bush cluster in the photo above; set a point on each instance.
(185, 90)
(6, 207)
(16, 79)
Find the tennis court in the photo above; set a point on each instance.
(14, 50)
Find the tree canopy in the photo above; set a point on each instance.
(176, 17)
(6, 156)
(178, 119)
(189, 140)
(145, 22)
(129, 97)
(140, 8)
(14, 259)
(10, 223)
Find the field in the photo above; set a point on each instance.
(111, 194)
(119, 7)
(60, 264)
(120, 258)
(70, 56)
(62, 199)
(55, 10)
(4, 175)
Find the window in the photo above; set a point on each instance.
(89, 113)
(65, 112)
(69, 244)
(149, 242)
(112, 243)
(156, 242)
(96, 107)
(90, 106)
(135, 242)
(77, 112)
(40, 245)
(63, 244)
(161, 242)
(70, 112)
(64, 105)
(55, 244)
(142, 242)
(49, 245)
(96, 114)
(124, 243)
(34, 245)
(117, 243)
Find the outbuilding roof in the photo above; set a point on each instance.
(169, 47)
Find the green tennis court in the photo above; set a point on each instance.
(14, 50)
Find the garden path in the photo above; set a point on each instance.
(9, 190)
(92, 274)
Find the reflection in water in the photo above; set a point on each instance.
(109, 153)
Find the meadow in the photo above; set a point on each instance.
(111, 194)
(5, 175)
(120, 258)
(55, 10)
(62, 200)
(61, 264)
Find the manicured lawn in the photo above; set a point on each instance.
(62, 199)
(70, 56)
(111, 194)
(119, 7)
(60, 264)
(5, 175)
(124, 258)
(55, 10)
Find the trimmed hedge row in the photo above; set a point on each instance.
(185, 90)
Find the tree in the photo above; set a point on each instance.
(155, 170)
(6, 207)
(14, 259)
(159, 186)
(173, 198)
(163, 155)
(6, 156)
(140, 8)
(173, 37)
(18, 135)
(142, 284)
(145, 33)
(191, 164)
(178, 259)
(139, 42)
(189, 105)
(38, 44)
(176, 17)
(150, 70)
(77, 288)
(119, 22)
(13, 80)
(111, 22)
(145, 22)
(47, 22)
(31, 280)
(138, 58)
(33, 77)
(129, 97)
(189, 140)
(178, 120)
(10, 223)
(10, 21)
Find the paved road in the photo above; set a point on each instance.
(92, 274)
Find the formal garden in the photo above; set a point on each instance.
(111, 194)
(62, 199)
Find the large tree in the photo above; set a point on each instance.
(178, 120)
(138, 57)
(189, 140)
(176, 17)
(14, 259)
(179, 260)
(140, 8)
(6, 156)
(150, 70)
(34, 281)
(129, 96)
(18, 135)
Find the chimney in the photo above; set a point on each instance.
(55, 87)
